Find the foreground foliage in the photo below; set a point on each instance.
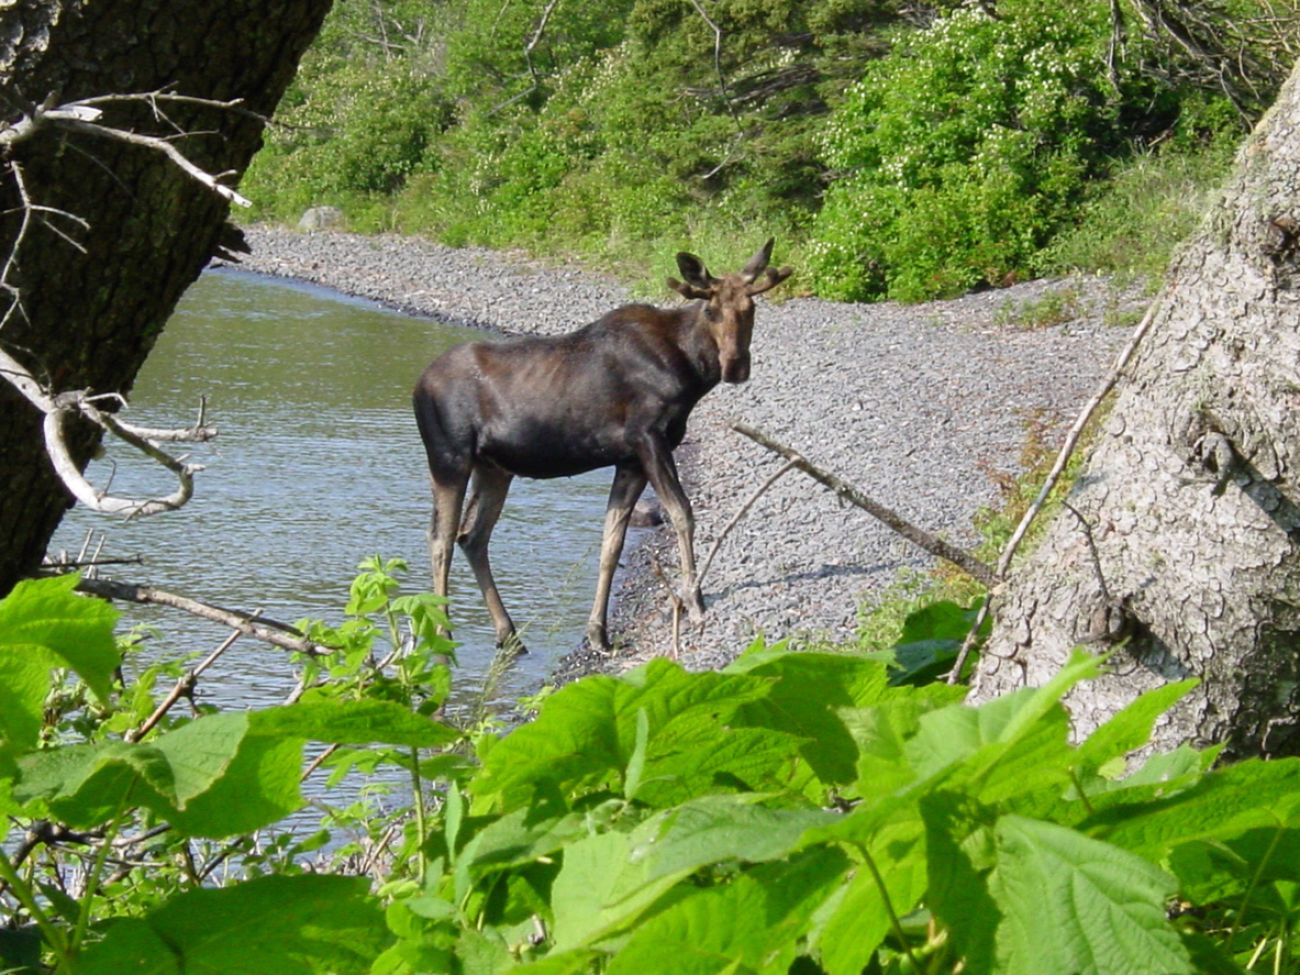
(801, 812)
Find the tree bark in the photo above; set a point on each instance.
(1189, 564)
(91, 318)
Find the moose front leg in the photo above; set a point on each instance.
(657, 459)
(629, 482)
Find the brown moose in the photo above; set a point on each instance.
(616, 393)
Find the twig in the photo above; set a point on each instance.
(717, 61)
(744, 509)
(968, 644)
(1072, 440)
(184, 685)
(259, 628)
(917, 536)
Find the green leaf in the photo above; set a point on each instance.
(1228, 801)
(609, 879)
(852, 925)
(749, 925)
(585, 737)
(269, 926)
(931, 639)
(811, 691)
(354, 722)
(1075, 904)
(219, 775)
(43, 625)
(1130, 729)
(960, 853)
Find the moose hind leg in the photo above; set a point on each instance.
(657, 460)
(448, 496)
(487, 497)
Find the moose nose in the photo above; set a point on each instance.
(735, 370)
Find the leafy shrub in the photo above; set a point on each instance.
(794, 812)
(960, 153)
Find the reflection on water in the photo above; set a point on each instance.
(317, 465)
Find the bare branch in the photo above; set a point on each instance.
(1072, 441)
(917, 536)
(249, 624)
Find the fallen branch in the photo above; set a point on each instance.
(258, 627)
(917, 536)
(85, 117)
(1072, 441)
(735, 519)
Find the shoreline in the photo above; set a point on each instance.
(917, 405)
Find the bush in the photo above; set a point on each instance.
(961, 152)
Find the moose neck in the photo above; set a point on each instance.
(696, 341)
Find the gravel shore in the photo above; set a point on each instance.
(913, 404)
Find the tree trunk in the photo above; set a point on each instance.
(1189, 565)
(89, 319)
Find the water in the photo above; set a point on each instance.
(318, 464)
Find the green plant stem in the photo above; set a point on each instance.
(889, 906)
(49, 930)
(1254, 882)
(96, 873)
(417, 796)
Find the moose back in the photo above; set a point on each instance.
(616, 393)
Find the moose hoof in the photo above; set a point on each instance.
(694, 605)
(511, 645)
(597, 639)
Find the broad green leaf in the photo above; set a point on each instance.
(1074, 904)
(353, 723)
(931, 639)
(44, 624)
(753, 924)
(852, 926)
(960, 853)
(86, 785)
(881, 733)
(807, 691)
(609, 879)
(259, 787)
(270, 926)
(585, 736)
(1247, 795)
(517, 838)
(1014, 744)
(1130, 729)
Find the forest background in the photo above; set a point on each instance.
(898, 150)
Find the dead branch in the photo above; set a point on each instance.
(917, 536)
(84, 116)
(1072, 440)
(184, 686)
(529, 47)
(735, 519)
(717, 59)
(249, 624)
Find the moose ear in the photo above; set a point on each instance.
(695, 274)
(757, 263)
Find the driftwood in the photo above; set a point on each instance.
(918, 536)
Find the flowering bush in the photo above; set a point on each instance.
(959, 153)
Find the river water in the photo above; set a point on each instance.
(318, 464)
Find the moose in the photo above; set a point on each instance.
(615, 393)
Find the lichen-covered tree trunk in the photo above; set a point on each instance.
(1189, 564)
(91, 318)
